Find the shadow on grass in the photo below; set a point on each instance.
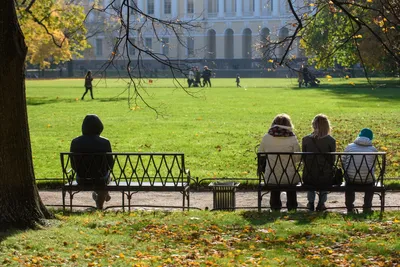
(37, 101)
(384, 90)
(302, 217)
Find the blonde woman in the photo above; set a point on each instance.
(280, 138)
(318, 169)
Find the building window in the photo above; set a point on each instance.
(150, 7)
(212, 6)
(149, 43)
(165, 46)
(167, 6)
(190, 7)
(99, 47)
(190, 46)
(132, 49)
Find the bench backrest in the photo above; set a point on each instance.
(127, 168)
(318, 169)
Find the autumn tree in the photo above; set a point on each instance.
(343, 32)
(54, 30)
(20, 203)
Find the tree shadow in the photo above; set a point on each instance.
(38, 101)
(382, 90)
(302, 217)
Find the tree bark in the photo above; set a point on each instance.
(20, 203)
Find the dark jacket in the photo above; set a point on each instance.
(88, 81)
(318, 169)
(91, 166)
(207, 74)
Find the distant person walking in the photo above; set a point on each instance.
(190, 79)
(207, 76)
(238, 80)
(197, 77)
(88, 84)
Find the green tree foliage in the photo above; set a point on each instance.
(347, 33)
(54, 30)
(341, 32)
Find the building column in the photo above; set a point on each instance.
(221, 8)
(174, 8)
(141, 6)
(275, 12)
(239, 8)
(157, 8)
(257, 8)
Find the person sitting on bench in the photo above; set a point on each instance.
(92, 169)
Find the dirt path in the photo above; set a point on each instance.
(204, 200)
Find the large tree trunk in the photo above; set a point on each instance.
(20, 204)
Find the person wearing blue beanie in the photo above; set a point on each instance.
(359, 169)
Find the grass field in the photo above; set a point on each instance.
(203, 238)
(217, 128)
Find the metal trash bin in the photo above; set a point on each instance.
(224, 195)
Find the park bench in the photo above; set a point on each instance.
(129, 173)
(279, 178)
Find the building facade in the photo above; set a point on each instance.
(227, 34)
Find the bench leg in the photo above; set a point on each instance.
(71, 196)
(259, 199)
(129, 201)
(63, 200)
(383, 202)
(123, 201)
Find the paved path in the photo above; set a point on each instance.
(204, 200)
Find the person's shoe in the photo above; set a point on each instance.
(321, 207)
(367, 210)
(108, 197)
(352, 211)
(94, 196)
(310, 206)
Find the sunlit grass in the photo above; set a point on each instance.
(218, 128)
(203, 238)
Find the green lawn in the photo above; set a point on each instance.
(203, 238)
(217, 128)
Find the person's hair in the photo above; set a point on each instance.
(88, 73)
(321, 126)
(282, 119)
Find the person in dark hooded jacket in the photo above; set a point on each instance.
(92, 167)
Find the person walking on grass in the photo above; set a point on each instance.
(206, 76)
(92, 165)
(238, 80)
(318, 169)
(88, 84)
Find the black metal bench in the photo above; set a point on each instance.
(286, 171)
(129, 173)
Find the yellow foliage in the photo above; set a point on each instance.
(59, 35)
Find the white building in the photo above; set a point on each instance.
(228, 34)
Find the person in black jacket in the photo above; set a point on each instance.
(206, 76)
(88, 84)
(318, 169)
(93, 165)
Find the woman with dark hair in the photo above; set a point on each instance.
(88, 84)
(318, 169)
(280, 138)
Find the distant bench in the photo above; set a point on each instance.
(129, 174)
(287, 169)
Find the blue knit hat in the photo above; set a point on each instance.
(366, 133)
